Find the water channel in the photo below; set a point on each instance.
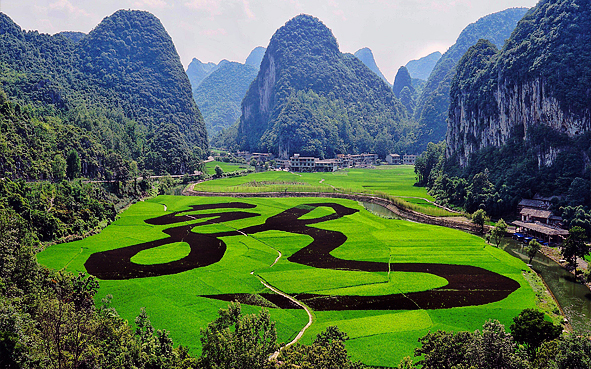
(379, 210)
(573, 297)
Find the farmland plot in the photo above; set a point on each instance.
(384, 282)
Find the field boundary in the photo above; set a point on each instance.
(408, 214)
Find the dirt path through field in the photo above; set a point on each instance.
(303, 306)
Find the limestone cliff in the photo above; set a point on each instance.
(539, 80)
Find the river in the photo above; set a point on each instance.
(573, 297)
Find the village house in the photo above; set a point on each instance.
(539, 222)
(393, 159)
(298, 163)
(409, 159)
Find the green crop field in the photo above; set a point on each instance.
(395, 181)
(226, 167)
(385, 282)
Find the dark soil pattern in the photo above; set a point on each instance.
(467, 285)
(206, 249)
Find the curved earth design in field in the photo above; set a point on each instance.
(467, 285)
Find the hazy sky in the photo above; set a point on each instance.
(210, 30)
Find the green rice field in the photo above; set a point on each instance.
(392, 181)
(377, 250)
(226, 167)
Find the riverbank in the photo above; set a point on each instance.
(582, 264)
(460, 223)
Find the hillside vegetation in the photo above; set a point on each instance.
(118, 97)
(541, 144)
(310, 98)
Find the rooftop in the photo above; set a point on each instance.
(544, 214)
(532, 203)
(537, 227)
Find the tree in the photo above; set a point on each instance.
(479, 218)
(532, 249)
(253, 162)
(443, 349)
(58, 167)
(218, 171)
(574, 246)
(573, 353)
(494, 348)
(531, 329)
(490, 348)
(498, 232)
(327, 351)
(73, 166)
(234, 340)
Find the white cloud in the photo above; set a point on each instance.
(155, 4)
(67, 7)
(210, 6)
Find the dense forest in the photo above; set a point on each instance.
(310, 98)
(110, 98)
(433, 105)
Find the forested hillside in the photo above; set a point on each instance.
(117, 98)
(433, 104)
(524, 112)
(219, 95)
(310, 98)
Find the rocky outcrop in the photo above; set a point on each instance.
(538, 82)
(520, 107)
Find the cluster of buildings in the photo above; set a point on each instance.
(298, 163)
(395, 159)
(537, 221)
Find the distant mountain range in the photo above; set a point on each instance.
(255, 57)
(422, 68)
(433, 105)
(218, 89)
(220, 94)
(197, 71)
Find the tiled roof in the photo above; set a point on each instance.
(541, 228)
(532, 203)
(544, 214)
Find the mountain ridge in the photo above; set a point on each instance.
(308, 97)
